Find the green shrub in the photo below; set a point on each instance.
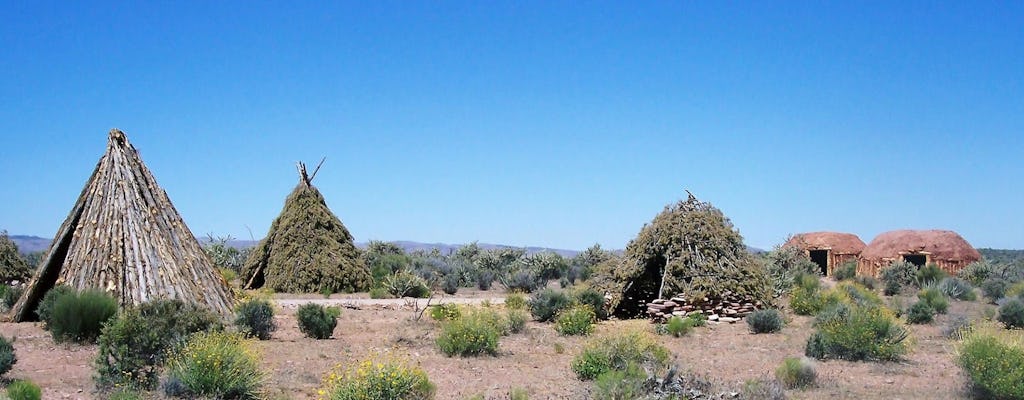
(1011, 314)
(24, 390)
(450, 284)
(45, 308)
(255, 318)
(575, 320)
(379, 293)
(7, 356)
(845, 271)
(10, 295)
(406, 284)
(956, 288)
(763, 389)
(858, 295)
(78, 317)
(516, 301)
(976, 272)
(219, 365)
(317, 321)
(995, 287)
(379, 376)
(677, 326)
(992, 359)
(857, 333)
(935, 299)
(516, 320)
(476, 333)
(796, 373)
(484, 279)
(134, 346)
(898, 275)
(617, 351)
(765, 321)
(920, 313)
(784, 266)
(930, 274)
(627, 383)
(445, 312)
(808, 299)
(546, 304)
(125, 394)
(594, 299)
(699, 319)
(522, 281)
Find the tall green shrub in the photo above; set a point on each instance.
(547, 303)
(316, 321)
(992, 359)
(255, 318)
(898, 275)
(78, 317)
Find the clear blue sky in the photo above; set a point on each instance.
(560, 124)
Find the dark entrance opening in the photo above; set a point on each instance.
(917, 259)
(820, 257)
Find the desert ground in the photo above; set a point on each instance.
(536, 360)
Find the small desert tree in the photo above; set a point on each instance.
(12, 265)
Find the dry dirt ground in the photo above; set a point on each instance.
(530, 360)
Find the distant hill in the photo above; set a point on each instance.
(31, 244)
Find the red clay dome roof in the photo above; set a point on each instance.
(942, 245)
(839, 242)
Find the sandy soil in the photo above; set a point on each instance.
(295, 365)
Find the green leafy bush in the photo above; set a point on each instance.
(445, 312)
(594, 299)
(897, 276)
(317, 321)
(992, 359)
(857, 333)
(618, 351)
(956, 288)
(218, 365)
(547, 303)
(627, 383)
(24, 390)
(575, 320)
(784, 266)
(930, 274)
(858, 295)
(765, 321)
(920, 313)
(522, 281)
(935, 299)
(796, 373)
(10, 295)
(406, 284)
(78, 317)
(134, 346)
(807, 297)
(845, 271)
(255, 318)
(995, 287)
(516, 320)
(476, 333)
(678, 326)
(484, 279)
(45, 308)
(12, 265)
(380, 376)
(976, 272)
(516, 301)
(7, 356)
(379, 293)
(1011, 314)
(450, 284)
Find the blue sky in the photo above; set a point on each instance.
(560, 124)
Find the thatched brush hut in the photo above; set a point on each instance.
(944, 248)
(828, 249)
(125, 237)
(308, 249)
(690, 248)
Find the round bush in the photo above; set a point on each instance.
(930, 275)
(24, 390)
(994, 287)
(134, 346)
(471, 335)
(255, 318)
(678, 326)
(484, 280)
(796, 373)
(45, 308)
(516, 301)
(935, 299)
(546, 304)
(594, 299)
(765, 321)
(617, 351)
(920, 313)
(956, 288)
(445, 312)
(516, 320)
(451, 284)
(992, 358)
(7, 356)
(575, 320)
(857, 333)
(381, 376)
(1011, 314)
(898, 275)
(218, 365)
(79, 317)
(316, 321)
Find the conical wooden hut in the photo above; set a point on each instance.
(125, 237)
(946, 249)
(828, 249)
(308, 249)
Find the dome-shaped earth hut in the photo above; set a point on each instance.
(828, 249)
(943, 248)
(123, 236)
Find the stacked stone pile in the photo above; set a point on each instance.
(727, 308)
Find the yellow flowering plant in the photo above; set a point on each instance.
(380, 376)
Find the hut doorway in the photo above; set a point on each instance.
(917, 259)
(820, 257)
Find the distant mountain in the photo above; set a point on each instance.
(31, 244)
